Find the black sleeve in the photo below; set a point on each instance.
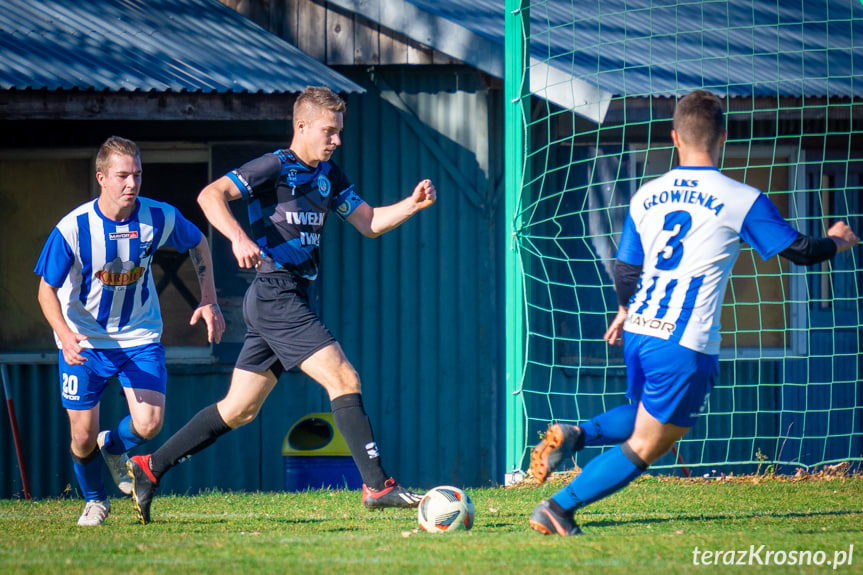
(338, 179)
(625, 281)
(259, 175)
(806, 250)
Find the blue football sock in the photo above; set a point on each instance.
(122, 438)
(88, 470)
(610, 428)
(609, 472)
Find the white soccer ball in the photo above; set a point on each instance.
(445, 509)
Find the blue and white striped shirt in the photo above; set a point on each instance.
(101, 268)
(685, 228)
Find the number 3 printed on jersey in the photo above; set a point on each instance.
(670, 256)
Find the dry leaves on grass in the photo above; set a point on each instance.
(835, 472)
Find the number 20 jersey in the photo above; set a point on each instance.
(685, 229)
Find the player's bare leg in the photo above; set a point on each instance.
(246, 396)
(652, 439)
(146, 414)
(83, 427)
(330, 368)
(241, 405)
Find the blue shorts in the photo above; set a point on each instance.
(673, 382)
(142, 367)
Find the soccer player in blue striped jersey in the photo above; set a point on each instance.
(680, 240)
(98, 295)
(289, 194)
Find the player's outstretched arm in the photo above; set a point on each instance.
(214, 203)
(372, 222)
(53, 312)
(208, 309)
(806, 250)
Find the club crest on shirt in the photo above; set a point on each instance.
(119, 274)
(324, 186)
(292, 177)
(144, 250)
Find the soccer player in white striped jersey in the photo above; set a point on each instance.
(680, 240)
(97, 293)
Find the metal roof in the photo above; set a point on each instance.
(583, 52)
(663, 47)
(760, 48)
(149, 45)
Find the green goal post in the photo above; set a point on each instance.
(590, 89)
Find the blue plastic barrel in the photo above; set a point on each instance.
(316, 456)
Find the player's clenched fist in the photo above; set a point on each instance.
(247, 252)
(424, 194)
(843, 236)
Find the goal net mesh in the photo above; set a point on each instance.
(605, 76)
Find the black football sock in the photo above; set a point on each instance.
(201, 431)
(354, 425)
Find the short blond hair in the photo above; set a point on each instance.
(314, 99)
(115, 145)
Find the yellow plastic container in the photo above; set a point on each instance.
(316, 456)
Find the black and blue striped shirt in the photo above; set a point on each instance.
(288, 203)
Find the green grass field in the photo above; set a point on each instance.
(656, 524)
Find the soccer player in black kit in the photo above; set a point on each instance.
(289, 194)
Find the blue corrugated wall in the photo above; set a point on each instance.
(417, 310)
(247, 459)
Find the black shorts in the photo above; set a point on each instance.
(281, 328)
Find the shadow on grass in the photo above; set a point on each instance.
(585, 519)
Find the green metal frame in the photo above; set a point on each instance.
(517, 100)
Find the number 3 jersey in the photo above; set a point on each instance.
(685, 229)
(102, 269)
